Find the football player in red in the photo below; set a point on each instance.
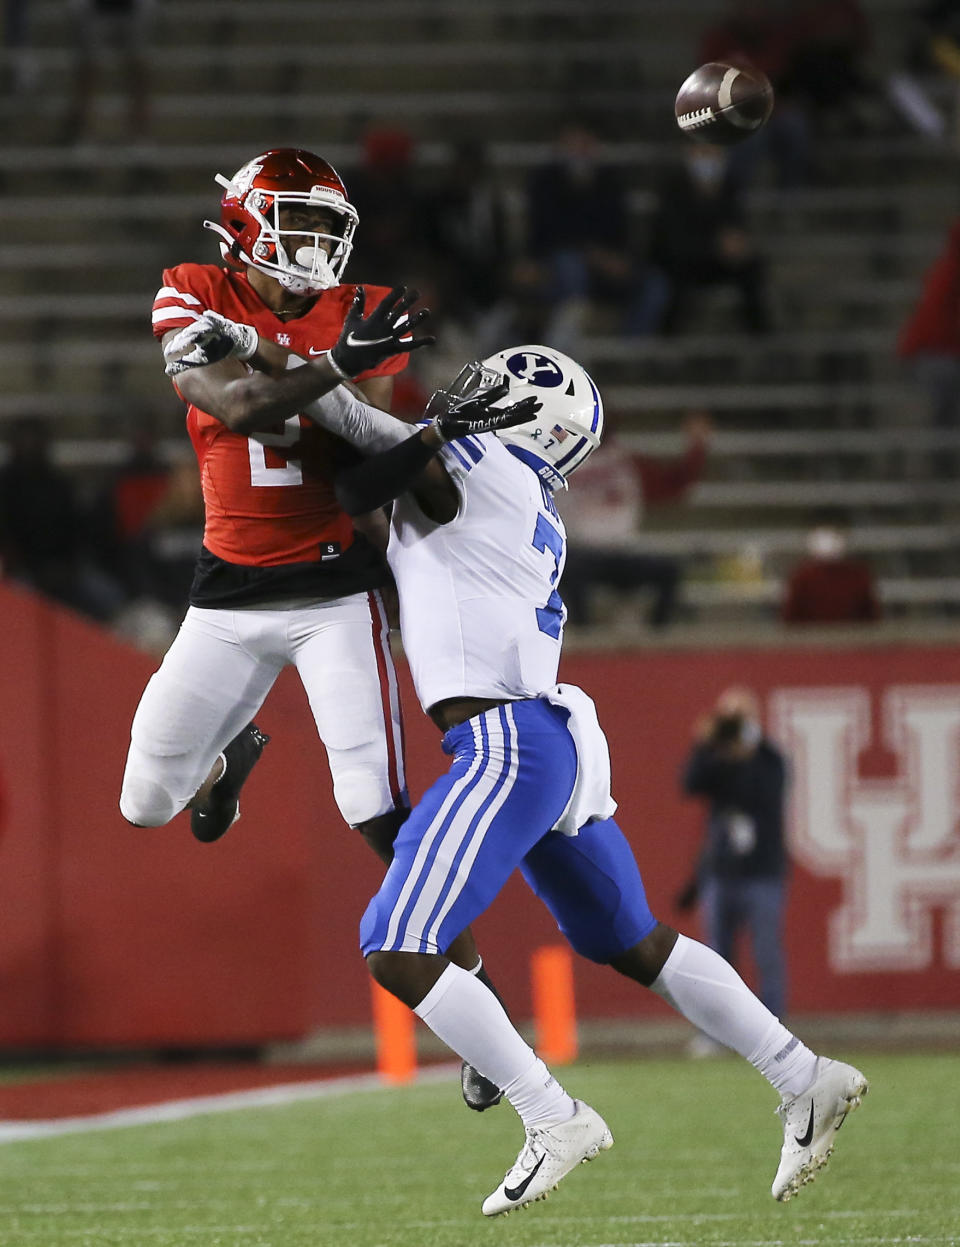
(283, 576)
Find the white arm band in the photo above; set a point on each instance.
(367, 428)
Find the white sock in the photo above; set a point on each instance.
(471, 1020)
(707, 990)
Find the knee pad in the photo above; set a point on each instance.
(361, 793)
(156, 787)
(145, 803)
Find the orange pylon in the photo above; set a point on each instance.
(394, 1031)
(554, 1009)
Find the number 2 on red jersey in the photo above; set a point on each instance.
(261, 473)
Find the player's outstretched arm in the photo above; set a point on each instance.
(365, 342)
(208, 362)
(411, 465)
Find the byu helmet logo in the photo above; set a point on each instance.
(535, 369)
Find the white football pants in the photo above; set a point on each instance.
(216, 676)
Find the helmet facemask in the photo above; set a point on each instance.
(471, 381)
(309, 267)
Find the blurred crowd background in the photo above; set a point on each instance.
(775, 327)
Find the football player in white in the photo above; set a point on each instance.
(477, 550)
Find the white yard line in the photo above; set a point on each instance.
(196, 1106)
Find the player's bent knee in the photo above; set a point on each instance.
(359, 794)
(145, 803)
(380, 832)
(644, 961)
(378, 963)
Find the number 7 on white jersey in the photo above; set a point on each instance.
(547, 537)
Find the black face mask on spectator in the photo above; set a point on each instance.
(728, 729)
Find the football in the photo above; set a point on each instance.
(723, 103)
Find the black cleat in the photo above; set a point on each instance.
(222, 808)
(478, 1092)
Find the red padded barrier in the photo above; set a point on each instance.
(126, 937)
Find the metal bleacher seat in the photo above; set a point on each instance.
(816, 414)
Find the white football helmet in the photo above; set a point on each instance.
(569, 425)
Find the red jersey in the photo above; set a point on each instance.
(269, 497)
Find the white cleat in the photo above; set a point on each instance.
(548, 1155)
(811, 1121)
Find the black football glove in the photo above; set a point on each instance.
(366, 342)
(477, 414)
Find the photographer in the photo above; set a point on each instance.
(739, 878)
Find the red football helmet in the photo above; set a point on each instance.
(249, 226)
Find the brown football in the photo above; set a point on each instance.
(723, 103)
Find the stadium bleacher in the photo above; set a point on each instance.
(816, 414)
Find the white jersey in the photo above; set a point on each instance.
(479, 609)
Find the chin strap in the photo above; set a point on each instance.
(296, 283)
(315, 271)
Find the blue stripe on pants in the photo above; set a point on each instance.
(512, 774)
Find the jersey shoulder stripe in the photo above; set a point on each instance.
(171, 292)
(451, 448)
(186, 291)
(465, 450)
(171, 316)
(473, 447)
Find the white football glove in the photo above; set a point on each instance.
(208, 340)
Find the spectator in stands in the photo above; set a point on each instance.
(604, 514)
(387, 196)
(577, 233)
(44, 528)
(23, 69)
(829, 586)
(755, 33)
(816, 54)
(151, 522)
(99, 26)
(699, 237)
(929, 343)
(161, 513)
(740, 875)
(828, 45)
(466, 225)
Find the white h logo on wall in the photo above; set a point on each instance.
(894, 842)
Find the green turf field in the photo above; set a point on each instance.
(696, 1148)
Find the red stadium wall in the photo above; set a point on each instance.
(119, 936)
